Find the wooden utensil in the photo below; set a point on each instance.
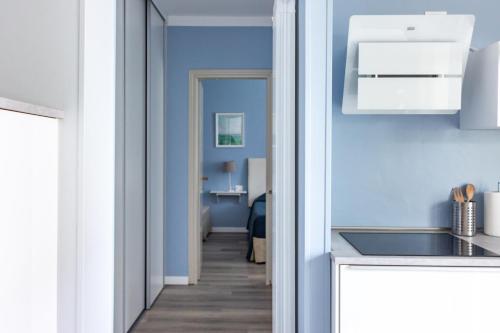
(461, 197)
(458, 196)
(469, 191)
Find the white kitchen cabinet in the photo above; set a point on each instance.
(481, 93)
(415, 299)
(29, 155)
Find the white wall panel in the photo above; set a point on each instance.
(28, 222)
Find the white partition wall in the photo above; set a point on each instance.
(28, 222)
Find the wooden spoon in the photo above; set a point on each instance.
(469, 191)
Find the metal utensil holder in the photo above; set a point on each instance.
(463, 248)
(464, 218)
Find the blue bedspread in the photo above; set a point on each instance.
(256, 224)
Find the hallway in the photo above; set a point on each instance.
(231, 295)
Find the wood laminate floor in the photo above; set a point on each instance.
(231, 295)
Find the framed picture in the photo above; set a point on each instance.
(229, 130)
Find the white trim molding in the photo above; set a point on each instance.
(284, 187)
(219, 21)
(176, 280)
(229, 229)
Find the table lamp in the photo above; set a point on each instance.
(230, 167)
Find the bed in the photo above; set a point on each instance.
(256, 224)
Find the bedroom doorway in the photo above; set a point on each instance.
(258, 169)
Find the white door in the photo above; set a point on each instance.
(155, 144)
(269, 188)
(135, 160)
(379, 299)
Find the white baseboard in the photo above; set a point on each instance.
(176, 280)
(229, 229)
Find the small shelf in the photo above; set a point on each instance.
(27, 108)
(236, 194)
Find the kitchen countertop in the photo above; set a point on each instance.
(344, 253)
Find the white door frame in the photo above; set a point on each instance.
(284, 187)
(195, 168)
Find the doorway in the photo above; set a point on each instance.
(195, 237)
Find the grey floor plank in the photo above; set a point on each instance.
(230, 297)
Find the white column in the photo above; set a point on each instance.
(95, 284)
(314, 167)
(283, 205)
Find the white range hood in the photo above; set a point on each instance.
(406, 64)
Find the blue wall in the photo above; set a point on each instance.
(197, 48)
(226, 96)
(398, 170)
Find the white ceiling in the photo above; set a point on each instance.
(220, 8)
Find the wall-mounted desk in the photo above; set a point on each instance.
(237, 194)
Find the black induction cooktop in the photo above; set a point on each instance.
(414, 244)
